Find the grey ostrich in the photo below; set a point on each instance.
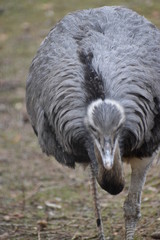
(93, 97)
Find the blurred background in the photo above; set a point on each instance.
(39, 199)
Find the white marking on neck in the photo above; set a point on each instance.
(119, 108)
(107, 101)
(116, 104)
(91, 109)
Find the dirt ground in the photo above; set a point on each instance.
(40, 199)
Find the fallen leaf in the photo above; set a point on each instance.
(42, 224)
(52, 205)
(18, 215)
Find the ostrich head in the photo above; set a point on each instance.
(104, 121)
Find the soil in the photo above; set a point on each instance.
(40, 199)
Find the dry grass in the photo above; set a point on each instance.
(28, 178)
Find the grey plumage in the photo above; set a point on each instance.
(104, 53)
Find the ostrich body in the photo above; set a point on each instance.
(93, 98)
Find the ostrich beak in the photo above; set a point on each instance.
(107, 159)
(110, 169)
(107, 152)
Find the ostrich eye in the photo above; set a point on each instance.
(117, 130)
(116, 134)
(93, 129)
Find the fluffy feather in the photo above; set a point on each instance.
(111, 49)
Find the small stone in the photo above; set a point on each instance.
(7, 218)
(40, 207)
(18, 106)
(145, 199)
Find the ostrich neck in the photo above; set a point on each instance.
(110, 180)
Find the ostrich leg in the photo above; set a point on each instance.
(132, 204)
(96, 205)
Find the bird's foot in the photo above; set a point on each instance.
(130, 228)
(102, 237)
(132, 214)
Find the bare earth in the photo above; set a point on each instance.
(40, 199)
